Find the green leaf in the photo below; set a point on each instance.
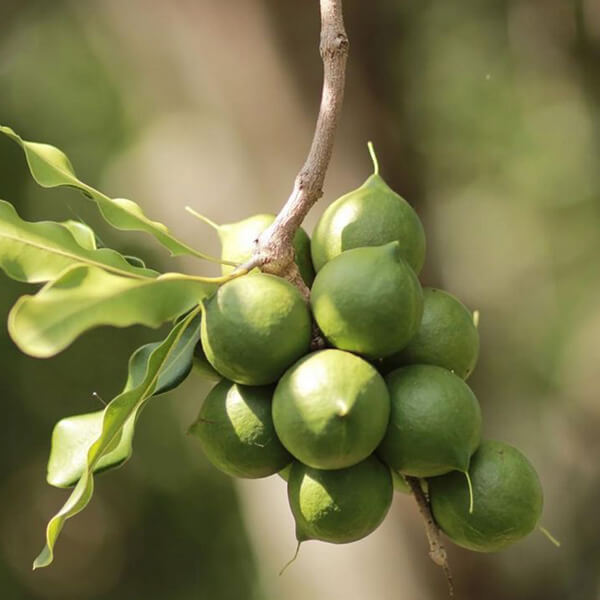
(135, 261)
(73, 436)
(50, 168)
(85, 297)
(37, 252)
(118, 412)
(84, 235)
(71, 441)
(175, 371)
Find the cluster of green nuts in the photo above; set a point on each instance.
(385, 400)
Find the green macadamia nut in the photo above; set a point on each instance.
(400, 483)
(238, 239)
(368, 301)
(435, 422)
(201, 365)
(331, 409)
(236, 432)
(446, 337)
(254, 327)
(339, 506)
(371, 215)
(507, 499)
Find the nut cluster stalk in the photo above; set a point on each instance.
(274, 251)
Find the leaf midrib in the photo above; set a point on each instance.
(153, 227)
(183, 350)
(79, 259)
(92, 305)
(99, 452)
(63, 515)
(152, 382)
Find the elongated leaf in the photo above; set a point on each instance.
(73, 436)
(36, 252)
(85, 297)
(178, 366)
(84, 235)
(125, 406)
(71, 441)
(50, 168)
(135, 261)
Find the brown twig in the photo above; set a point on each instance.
(274, 252)
(437, 552)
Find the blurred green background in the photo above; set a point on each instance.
(486, 117)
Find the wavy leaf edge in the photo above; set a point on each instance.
(121, 213)
(131, 400)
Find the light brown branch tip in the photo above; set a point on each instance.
(274, 251)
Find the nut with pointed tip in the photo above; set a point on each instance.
(507, 494)
(235, 429)
(331, 409)
(339, 506)
(435, 422)
(371, 215)
(368, 301)
(254, 327)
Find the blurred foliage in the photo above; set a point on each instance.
(486, 117)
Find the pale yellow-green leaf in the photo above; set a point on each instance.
(86, 297)
(118, 412)
(71, 440)
(50, 167)
(73, 436)
(83, 234)
(38, 252)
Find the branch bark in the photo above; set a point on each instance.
(274, 252)
(437, 552)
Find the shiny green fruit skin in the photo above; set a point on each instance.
(447, 336)
(254, 327)
(435, 422)
(400, 484)
(236, 432)
(368, 301)
(237, 244)
(507, 499)
(331, 409)
(285, 472)
(201, 365)
(371, 215)
(339, 506)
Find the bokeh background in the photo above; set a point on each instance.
(486, 117)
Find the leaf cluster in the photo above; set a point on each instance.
(86, 286)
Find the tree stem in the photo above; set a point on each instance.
(274, 252)
(437, 552)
